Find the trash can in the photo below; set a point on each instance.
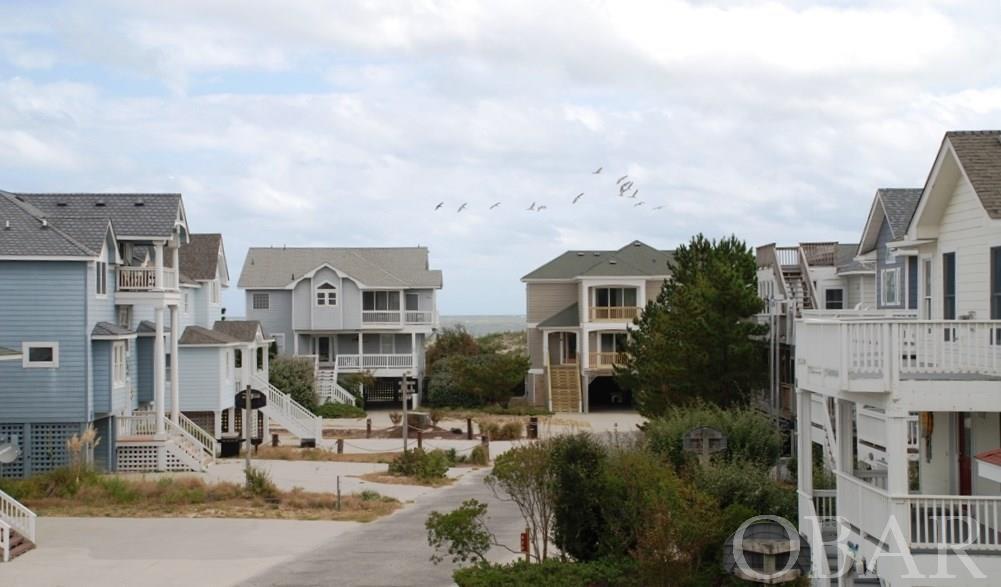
(229, 447)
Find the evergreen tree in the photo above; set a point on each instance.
(697, 340)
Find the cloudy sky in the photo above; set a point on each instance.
(345, 123)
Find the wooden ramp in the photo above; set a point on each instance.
(564, 388)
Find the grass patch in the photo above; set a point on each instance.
(66, 492)
(463, 413)
(294, 453)
(332, 410)
(389, 479)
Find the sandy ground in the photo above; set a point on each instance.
(78, 552)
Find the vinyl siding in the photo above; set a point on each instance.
(653, 287)
(277, 319)
(966, 230)
(545, 299)
(350, 305)
(144, 370)
(101, 355)
(324, 317)
(884, 262)
(44, 301)
(535, 347)
(201, 385)
(302, 304)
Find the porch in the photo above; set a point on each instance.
(385, 354)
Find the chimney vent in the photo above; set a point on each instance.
(140, 202)
(6, 225)
(45, 222)
(99, 203)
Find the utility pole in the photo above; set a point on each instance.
(404, 393)
(246, 428)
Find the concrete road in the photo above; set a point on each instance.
(393, 551)
(167, 552)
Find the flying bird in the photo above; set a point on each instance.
(597, 171)
(621, 179)
(658, 208)
(625, 187)
(579, 196)
(634, 193)
(531, 208)
(495, 205)
(462, 207)
(640, 203)
(440, 204)
(541, 208)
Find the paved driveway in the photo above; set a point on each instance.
(393, 550)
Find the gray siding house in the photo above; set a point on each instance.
(352, 310)
(896, 274)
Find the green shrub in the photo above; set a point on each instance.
(552, 573)
(750, 437)
(369, 495)
(332, 410)
(425, 466)
(478, 456)
(294, 376)
(470, 381)
(736, 483)
(259, 483)
(578, 463)
(119, 491)
(501, 430)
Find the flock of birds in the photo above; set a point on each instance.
(624, 184)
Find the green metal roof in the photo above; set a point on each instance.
(635, 259)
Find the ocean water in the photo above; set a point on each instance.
(480, 324)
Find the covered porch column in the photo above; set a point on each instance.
(159, 370)
(175, 384)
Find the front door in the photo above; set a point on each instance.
(965, 444)
(323, 349)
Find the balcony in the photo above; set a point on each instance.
(373, 362)
(419, 316)
(144, 279)
(381, 317)
(605, 361)
(882, 355)
(613, 313)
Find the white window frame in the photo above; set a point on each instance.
(119, 363)
(265, 296)
(843, 300)
(279, 342)
(101, 279)
(187, 302)
(386, 295)
(26, 361)
(926, 284)
(392, 344)
(894, 274)
(214, 292)
(326, 297)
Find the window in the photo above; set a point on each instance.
(834, 299)
(187, 302)
(262, 301)
(260, 358)
(124, 316)
(280, 343)
(413, 302)
(387, 344)
(118, 369)
(238, 358)
(890, 287)
(615, 297)
(381, 301)
(39, 354)
(613, 342)
(927, 289)
(996, 283)
(326, 294)
(949, 286)
(214, 292)
(101, 278)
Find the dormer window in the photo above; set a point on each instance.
(326, 294)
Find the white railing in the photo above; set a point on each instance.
(892, 350)
(863, 505)
(375, 361)
(144, 279)
(787, 256)
(971, 522)
(137, 424)
(329, 389)
(380, 317)
(201, 436)
(613, 313)
(419, 316)
(606, 360)
(289, 413)
(18, 517)
(4, 541)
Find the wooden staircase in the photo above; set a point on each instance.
(564, 388)
(17, 528)
(18, 545)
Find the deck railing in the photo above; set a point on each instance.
(606, 360)
(375, 361)
(18, 517)
(144, 279)
(613, 313)
(419, 316)
(380, 317)
(971, 522)
(136, 425)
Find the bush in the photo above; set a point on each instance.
(578, 463)
(470, 381)
(552, 573)
(735, 483)
(425, 466)
(259, 483)
(450, 342)
(369, 495)
(463, 533)
(750, 437)
(501, 430)
(332, 410)
(294, 376)
(478, 456)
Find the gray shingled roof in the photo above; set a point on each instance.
(133, 215)
(24, 231)
(634, 259)
(149, 327)
(200, 257)
(899, 205)
(567, 317)
(198, 335)
(979, 153)
(6, 353)
(372, 267)
(242, 330)
(110, 329)
(845, 259)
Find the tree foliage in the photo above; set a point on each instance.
(524, 475)
(450, 342)
(462, 533)
(294, 376)
(696, 340)
(469, 381)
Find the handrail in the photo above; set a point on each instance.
(328, 385)
(145, 279)
(296, 415)
(4, 542)
(17, 516)
(199, 434)
(804, 270)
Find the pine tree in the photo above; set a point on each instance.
(698, 339)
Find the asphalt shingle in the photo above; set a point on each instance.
(568, 317)
(242, 330)
(979, 153)
(110, 329)
(25, 231)
(133, 215)
(373, 267)
(199, 257)
(635, 259)
(899, 205)
(199, 335)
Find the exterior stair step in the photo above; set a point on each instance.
(18, 545)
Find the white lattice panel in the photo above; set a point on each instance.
(137, 458)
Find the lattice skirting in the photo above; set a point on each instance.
(43, 447)
(143, 457)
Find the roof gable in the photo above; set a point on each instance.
(199, 257)
(27, 232)
(241, 330)
(979, 155)
(567, 317)
(894, 205)
(402, 267)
